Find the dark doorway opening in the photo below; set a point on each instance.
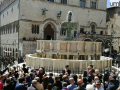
(48, 37)
(48, 33)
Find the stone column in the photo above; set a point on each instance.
(51, 56)
(40, 42)
(51, 46)
(12, 29)
(78, 47)
(84, 47)
(67, 56)
(37, 45)
(103, 47)
(68, 47)
(94, 48)
(54, 35)
(58, 46)
(43, 45)
(58, 56)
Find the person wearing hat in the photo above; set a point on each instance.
(67, 71)
(33, 86)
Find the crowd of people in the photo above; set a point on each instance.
(23, 78)
(7, 60)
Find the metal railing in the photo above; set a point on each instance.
(77, 71)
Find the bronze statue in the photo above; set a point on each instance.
(44, 11)
(59, 14)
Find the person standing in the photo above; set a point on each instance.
(50, 78)
(21, 86)
(25, 69)
(39, 86)
(91, 67)
(33, 86)
(64, 85)
(40, 74)
(86, 72)
(2, 78)
(57, 83)
(67, 71)
(98, 85)
(9, 85)
(72, 85)
(112, 86)
(80, 82)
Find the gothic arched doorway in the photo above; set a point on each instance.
(48, 33)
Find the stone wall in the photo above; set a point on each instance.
(113, 26)
(84, 16)
(10, 13)
(29, 47)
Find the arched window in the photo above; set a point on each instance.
(32, 29)
(82, 3)
(8, 30)
(93, 4)
(63, 1)
(51, 0)
(93, 29)
(17, 27)
(1, 31)
(37, 29)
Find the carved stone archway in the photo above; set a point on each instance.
(48, 33)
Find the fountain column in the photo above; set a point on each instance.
(67, 56)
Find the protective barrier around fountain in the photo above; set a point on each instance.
(54, 64)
